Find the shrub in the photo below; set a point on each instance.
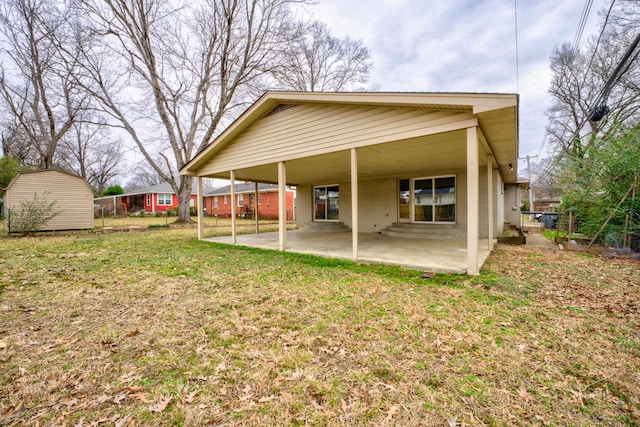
(32, 214)
(158, 226)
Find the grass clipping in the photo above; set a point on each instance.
(159, 329)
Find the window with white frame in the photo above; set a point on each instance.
(225, 199)
(215, 202)
(164, 199)
(240, 200)
(148, 200)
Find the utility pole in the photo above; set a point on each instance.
(530, 187)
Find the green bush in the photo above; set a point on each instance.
(33, 214)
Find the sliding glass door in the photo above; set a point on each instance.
(326, 201)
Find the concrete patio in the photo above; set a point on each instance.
(437, 255)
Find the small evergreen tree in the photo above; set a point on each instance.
(114, 190)
(598, 187)
(9, 168)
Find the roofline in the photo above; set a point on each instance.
(266, 190)
(27, 172)
(270, 99)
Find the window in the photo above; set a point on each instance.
(326, 203)
(225, 199)
(258, 199)
(148, 200)
(240, 200)
(164, 199)
(429, 199)
(215, 202)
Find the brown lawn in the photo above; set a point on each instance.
(156, 328)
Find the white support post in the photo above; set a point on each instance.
(232, 178)
(200, 209)
(282, 205)
(490, 192)
(473, 188)
(255, 210)
(354, 202)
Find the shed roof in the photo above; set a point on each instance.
(39, 171)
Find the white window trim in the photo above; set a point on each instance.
(163, 202)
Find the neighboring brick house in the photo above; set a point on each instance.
(218, 202)
(157, 198)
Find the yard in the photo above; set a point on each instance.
(156, 328)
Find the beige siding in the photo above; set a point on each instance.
(74, 198)
(512, 204)
(308, 130)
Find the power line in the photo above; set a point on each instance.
(604, 26)
(600, 109)
(583, 21)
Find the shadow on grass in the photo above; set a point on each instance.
(386, 271)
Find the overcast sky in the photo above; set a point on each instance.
(464, 46)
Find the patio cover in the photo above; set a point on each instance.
(337, 136)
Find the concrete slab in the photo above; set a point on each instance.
(442, 256)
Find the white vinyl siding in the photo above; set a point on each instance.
(308, 130)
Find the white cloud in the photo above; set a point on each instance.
(463, 46)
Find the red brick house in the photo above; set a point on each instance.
(218, 202)
(157, 198)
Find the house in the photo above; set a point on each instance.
(71, 193)
(437, 169)
(157, 198)
(218, 202)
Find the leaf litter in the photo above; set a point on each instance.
(114, 337)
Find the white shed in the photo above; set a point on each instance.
(72, 194)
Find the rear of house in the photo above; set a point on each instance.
(72, 194)
(441, 165)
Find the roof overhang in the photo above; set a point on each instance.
(496, 114)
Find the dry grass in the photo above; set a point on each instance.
(155, 328)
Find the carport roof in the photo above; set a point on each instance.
(497, 116)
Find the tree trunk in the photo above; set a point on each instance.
(184, 198)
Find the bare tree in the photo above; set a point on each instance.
(582, 81)
(143, 177)
(318, 61)
(89, 150)
(170, 73)
(16, 145)
(38, 84)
